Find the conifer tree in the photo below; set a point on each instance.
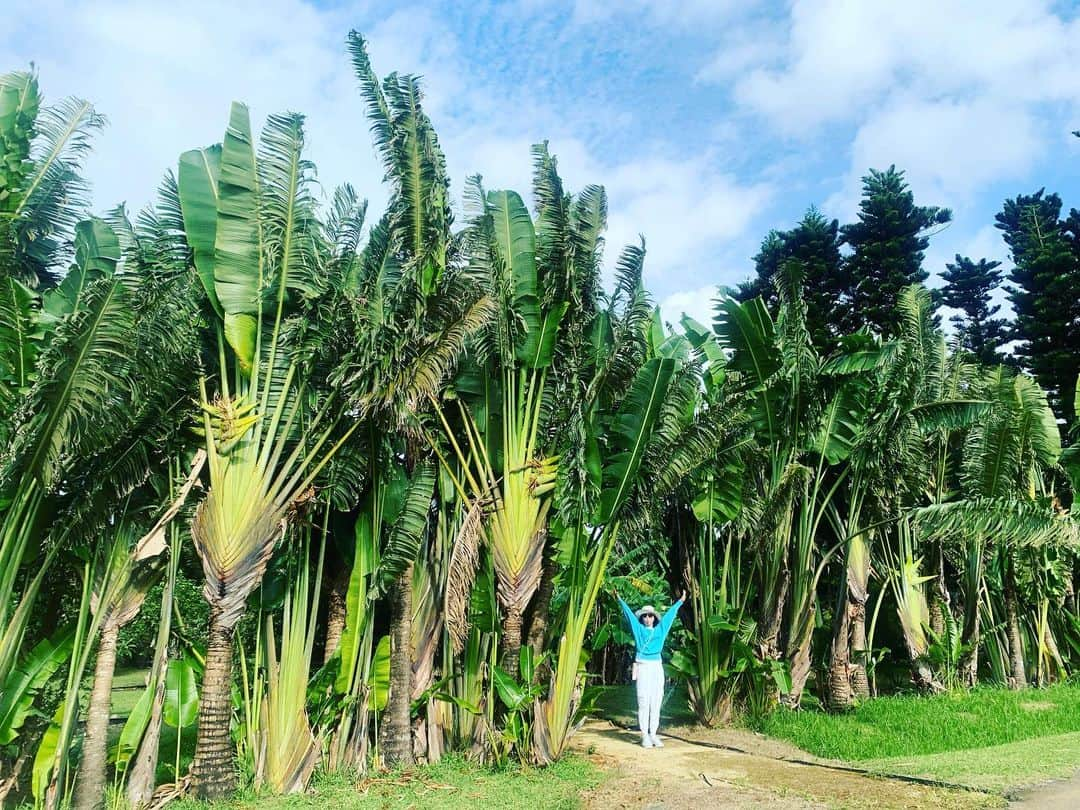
(888, 244)
(968, 286)
(1045, 292)
(815, 245)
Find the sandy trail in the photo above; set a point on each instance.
(685, 775)
(1054, 796)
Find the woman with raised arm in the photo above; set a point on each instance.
(650, 631)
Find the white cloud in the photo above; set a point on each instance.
(686, 209)
(166, 74)
(949, 150)
(844, 58)
(987, 243)
(698, 304)
(736, 58)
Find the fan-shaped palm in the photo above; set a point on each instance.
(256, 244)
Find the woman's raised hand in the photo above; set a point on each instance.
(682, 595)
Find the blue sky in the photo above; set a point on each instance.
(709, 121)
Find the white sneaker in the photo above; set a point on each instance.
(646, 742)
(656, 742)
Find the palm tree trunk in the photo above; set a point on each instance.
(541, 606)
(773, 617)
(969, 661)
(90, 791)
(397, 746)
(1052, 649)
(1018, 678)
(939, 596)
(839, 686)
(923, 677)
(212, 771)
(10, 780)
(512, 640)
(860, 683)
(799, 650)
(336, 609)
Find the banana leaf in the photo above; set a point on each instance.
(27, 679)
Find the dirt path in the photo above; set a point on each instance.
(1054, 796)
(686, 775)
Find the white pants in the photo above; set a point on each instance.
(650, 692)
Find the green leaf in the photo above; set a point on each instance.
(854, 362)
(746, 330)
(705, 344)
(515, 241)
(511, 693)
(379, 680)
(181, 694)
(97, 252)
(544, 349)
(91, 374)
(655, 334)
(408, 529)
(27, 679)
(949, 414)
(365, 560)
(46, 755)
(1005, 521)
(197, 178)
(97, 248)
(844, 420)
(18, 349)
(237, 238)
(720, 622)
(241, 331)
(134, 728)
(720, 498)
(781, 676)
(631, 430)
(514, 245)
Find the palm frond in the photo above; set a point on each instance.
(461, 575)
(287, 208)
(1003, 521)
(408, 529)
(54, 197)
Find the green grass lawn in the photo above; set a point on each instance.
(909, 726)
(996, 768)
(127, 688)
(452, 783)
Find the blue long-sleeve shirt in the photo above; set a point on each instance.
(650, 640)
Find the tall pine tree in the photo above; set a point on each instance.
(887, 244)
(1045, 292)
(814, 245)
(968, 286)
